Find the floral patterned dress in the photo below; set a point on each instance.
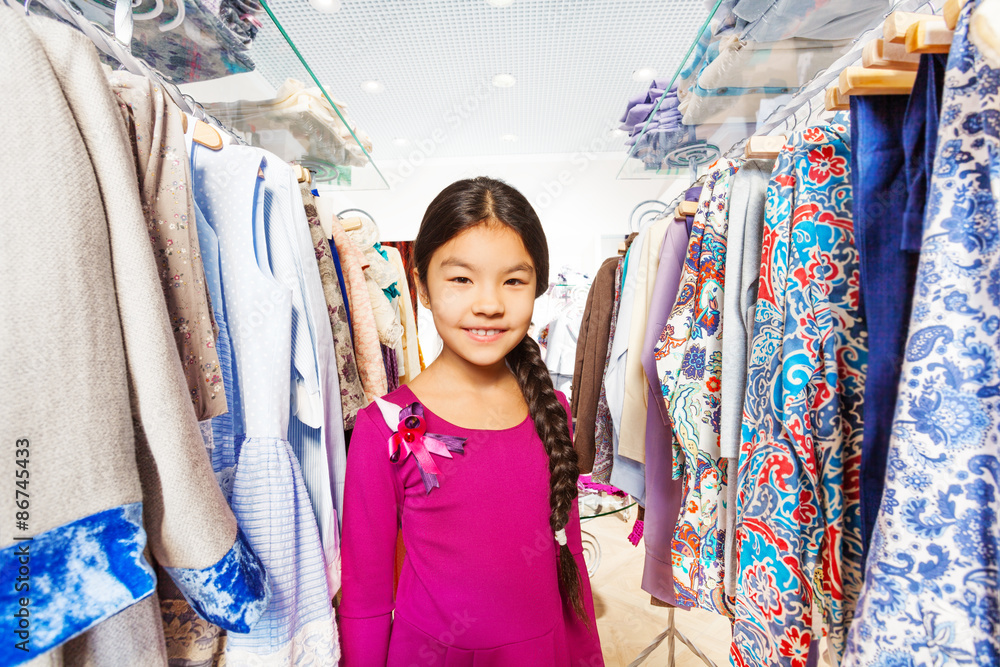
(931, 593)
(798, 520)
(352, 394)
(155, 128)
(689, 362)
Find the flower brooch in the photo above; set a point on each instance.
(410, 436)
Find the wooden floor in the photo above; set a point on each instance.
(627, 622)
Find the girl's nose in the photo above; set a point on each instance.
(488, 303)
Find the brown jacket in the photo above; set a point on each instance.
(591, 354)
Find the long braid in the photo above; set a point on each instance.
(549, 416)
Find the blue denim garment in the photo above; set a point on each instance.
(888, 274)
(920, 132)
(343, 288)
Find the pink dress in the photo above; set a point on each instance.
(479, 583)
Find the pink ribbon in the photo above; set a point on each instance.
(411, 437)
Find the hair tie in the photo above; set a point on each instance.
(561, 537)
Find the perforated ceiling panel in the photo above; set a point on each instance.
(572, 60)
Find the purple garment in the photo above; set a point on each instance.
(479, 582)
(693, 194)
(391, 365)
(663, 493)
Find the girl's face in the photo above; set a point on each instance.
(481, 291)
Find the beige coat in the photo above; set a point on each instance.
(91, 372)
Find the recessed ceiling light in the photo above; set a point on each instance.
(500, 3)
(372, 87)
(644, 74)
(326, 6)
(509, 137)
(401, 142)
(504, 80)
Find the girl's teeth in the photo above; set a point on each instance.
(485, 332)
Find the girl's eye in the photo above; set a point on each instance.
(460, 280)
(515, 281)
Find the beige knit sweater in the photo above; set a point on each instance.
(91, 372)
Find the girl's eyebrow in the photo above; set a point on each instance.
(454, 261)
(523, 266)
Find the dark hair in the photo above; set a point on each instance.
(485, 201)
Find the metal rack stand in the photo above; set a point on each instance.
(670, 634)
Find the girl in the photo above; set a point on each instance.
(473, 461)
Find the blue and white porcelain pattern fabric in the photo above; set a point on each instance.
(269, 497)
(233, 593)
(931, 594)
(80, 574)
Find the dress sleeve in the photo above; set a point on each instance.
(372, 500)
(581, 638)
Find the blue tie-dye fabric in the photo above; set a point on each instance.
(233, 593)
(79, 575)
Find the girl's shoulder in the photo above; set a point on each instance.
(399, 398)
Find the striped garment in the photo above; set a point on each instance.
(269, 328)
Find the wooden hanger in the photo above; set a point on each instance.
(622, 248)
(765, 147)
(879, 54)
(896, 24)
(834, 101)
(684, 209)
(861, 81)
(930, 35)
(350, 224)
(204, 134)
(302, 175)
(952, 8)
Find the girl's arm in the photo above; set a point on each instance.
(372, 498)
(583, 643)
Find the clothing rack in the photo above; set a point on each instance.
(670, 635)
(656, 209)
(110, 46)
(356, 210)
(783, 120)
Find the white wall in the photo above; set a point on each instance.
(577, 196)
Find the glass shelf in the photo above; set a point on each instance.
(736, 87)
(307, 129)
(594, 504)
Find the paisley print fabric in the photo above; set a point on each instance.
(689, 362)
(603, 426)
(191, 640)
(798, 511)
(931, 593)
